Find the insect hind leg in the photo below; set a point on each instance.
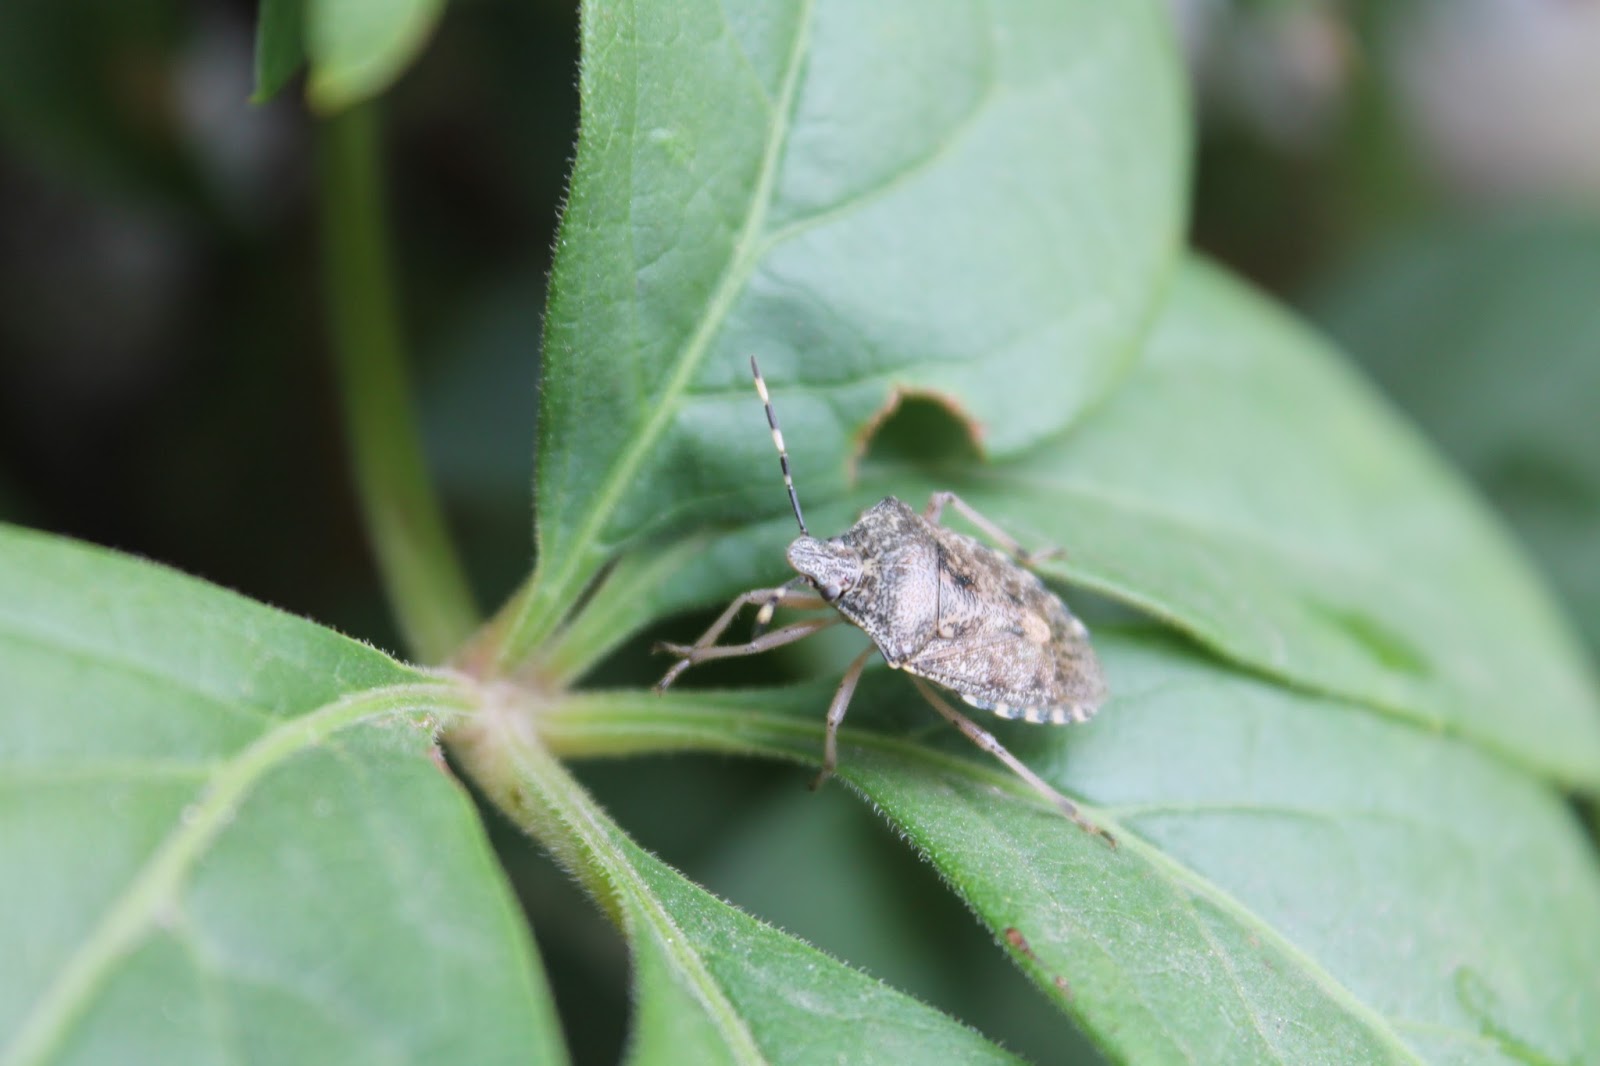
(985, 740)
(1007, 543)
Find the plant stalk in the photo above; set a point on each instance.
(421, 573)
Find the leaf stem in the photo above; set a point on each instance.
(501, 751)
(627, 722)
(417, 562)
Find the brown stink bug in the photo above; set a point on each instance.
(938, 605)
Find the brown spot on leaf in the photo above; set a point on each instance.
(1015, 938)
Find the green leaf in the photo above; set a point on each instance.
(358, 47)
(1487, 335)
(224, 837)
(711, 984)
(280, 45)
(1247, 488)
(798, 1004)
(973, 203)
(1296, 880)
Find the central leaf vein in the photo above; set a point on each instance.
(154, 889)
(747, 251)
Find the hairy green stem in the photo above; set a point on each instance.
(421, 572)
(502, 752)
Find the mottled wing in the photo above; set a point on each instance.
(1004, 642)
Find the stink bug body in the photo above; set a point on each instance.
(937, 604)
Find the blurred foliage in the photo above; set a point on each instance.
(164, 387)
(1489, 334)
(163, 383)
(1436, 208)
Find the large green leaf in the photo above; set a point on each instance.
(224, 838)
(1487, 334)
(978, 201)
(1246, 487)
(711, 984)
(1296, 880)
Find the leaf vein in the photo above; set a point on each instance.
(741, 263)
(155, 886)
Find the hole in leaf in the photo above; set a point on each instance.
(919, 429)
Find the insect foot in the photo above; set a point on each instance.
(939, 606)
(985, 740)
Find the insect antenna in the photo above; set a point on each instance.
(777, 439)
(764, 615)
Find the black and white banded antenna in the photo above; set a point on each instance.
(777, 440)
(764, 615)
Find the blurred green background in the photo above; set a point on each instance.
(1420, 178)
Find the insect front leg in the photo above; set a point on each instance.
(836, 709)
(786, 594)
(1007, 543)
(702, 649)
(985, 740)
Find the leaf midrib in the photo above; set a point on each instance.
(747, 251)
(599, 837)
(155, 885)
(750, 731)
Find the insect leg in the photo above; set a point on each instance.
(781, 594)
(690, 654)
(836, 709)
(1007, 543)
(788, 596)
(985, 740)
